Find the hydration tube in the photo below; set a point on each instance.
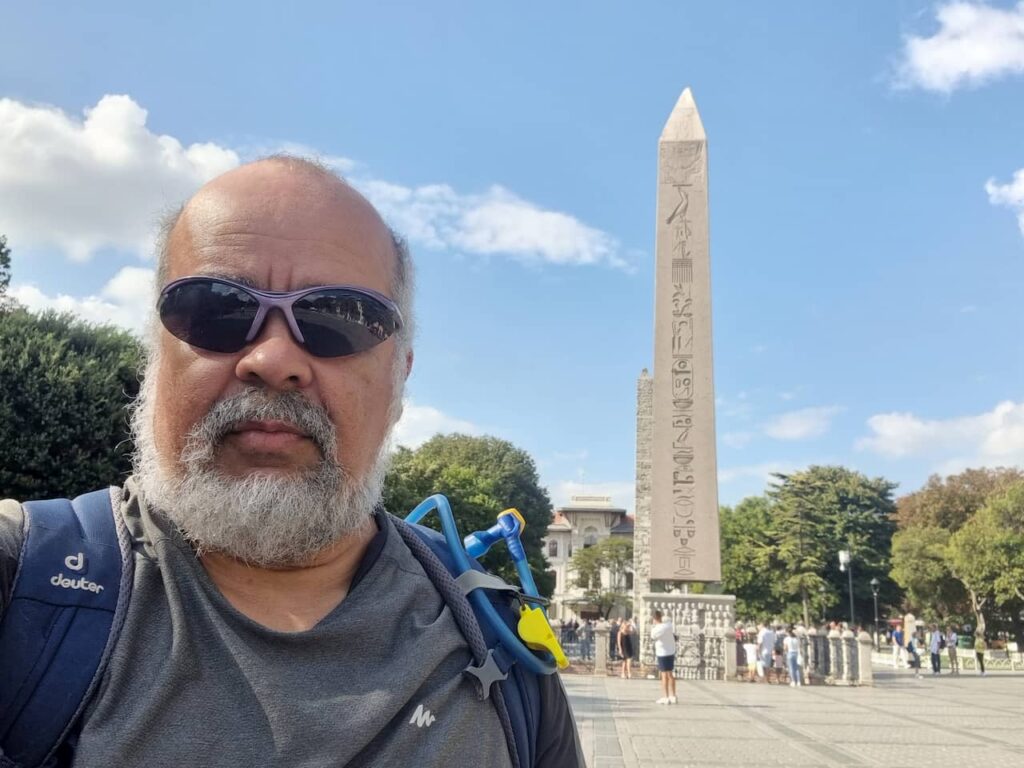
(478, 543)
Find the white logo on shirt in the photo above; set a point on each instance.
(422, 717)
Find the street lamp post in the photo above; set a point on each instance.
(845, 564)
(874, 594)
(822, 590)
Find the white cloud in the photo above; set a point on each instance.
(125, 301)
(994, 438)
(101, 180)
(736, 439)
(419, 423)
(623, 492)
(1011, 195)
(803, 424)
(975, 43)
(495, 222)
(762, 471)
(81, 184)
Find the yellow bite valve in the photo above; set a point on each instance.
(536, 633)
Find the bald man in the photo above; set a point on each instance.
(276, 617)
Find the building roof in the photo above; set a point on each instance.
(624, 527)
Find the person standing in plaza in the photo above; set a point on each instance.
(663, 633)
(952, 639)
(766, 648)
(627, 633)
(913, 657)
(936, 642)
(613, 640)
(980, 646)
(791, 645)
(587, 637)
(897, 647)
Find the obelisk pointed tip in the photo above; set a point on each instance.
(684, 124)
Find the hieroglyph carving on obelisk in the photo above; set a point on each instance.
(684, 476)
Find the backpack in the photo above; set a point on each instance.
(59, 630)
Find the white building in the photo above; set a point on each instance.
(585, 521)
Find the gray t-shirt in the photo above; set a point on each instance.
(378, 682)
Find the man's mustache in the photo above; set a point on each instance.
(255, 404)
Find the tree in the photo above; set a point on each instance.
(5, 270)
(819, 511)
(987, 553)
(920, 564)
(63, 396)
(613, 555)
(481, 477)
(747, 556)
(936, 586)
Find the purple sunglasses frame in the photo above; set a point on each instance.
(283, 301)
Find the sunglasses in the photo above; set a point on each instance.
(224, 316)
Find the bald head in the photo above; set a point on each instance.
(288, 199)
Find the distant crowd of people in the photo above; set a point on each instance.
(906, 649)
(767, 652)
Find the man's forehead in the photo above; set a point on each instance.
(246, 217)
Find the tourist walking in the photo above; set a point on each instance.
(897, 647)
(936, 642)
(627, 636)
(664, 636)
(613, 640)
(952, 639)
(791, 645)
(913, 657)
(766, 648)
(980, 646)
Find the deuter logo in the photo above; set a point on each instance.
(60, 580)
(76, 563)
(422, 717)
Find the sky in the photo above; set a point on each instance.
(866, 203)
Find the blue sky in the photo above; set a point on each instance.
(866, 219)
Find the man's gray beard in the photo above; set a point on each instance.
(264, 520)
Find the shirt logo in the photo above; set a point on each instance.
(422, 717)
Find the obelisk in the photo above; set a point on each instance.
(684, 542)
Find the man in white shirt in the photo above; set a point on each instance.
(663, 634)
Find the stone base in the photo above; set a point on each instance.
(705, 645)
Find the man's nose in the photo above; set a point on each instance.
(274, 358)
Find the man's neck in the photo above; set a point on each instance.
(292, 599)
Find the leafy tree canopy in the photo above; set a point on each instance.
(481, 476)
(63, 397)
(950, 502)
(613, 555)
(5, 269)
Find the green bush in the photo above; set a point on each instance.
(64, 388)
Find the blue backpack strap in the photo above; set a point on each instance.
(67, 606)
(518, 702)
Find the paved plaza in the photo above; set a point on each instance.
(960, 721)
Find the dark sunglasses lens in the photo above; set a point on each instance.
(339, 322)
(208, 314)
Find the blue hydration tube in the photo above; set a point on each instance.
(481, 604)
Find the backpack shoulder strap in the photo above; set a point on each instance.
(518, 692)
(68, 603)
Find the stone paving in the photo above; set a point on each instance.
(961, 722)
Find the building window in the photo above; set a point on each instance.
(589, 536)
(629, 581)
(552, 548)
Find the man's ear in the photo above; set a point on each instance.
(408, 363)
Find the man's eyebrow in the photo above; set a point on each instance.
(249, 282)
